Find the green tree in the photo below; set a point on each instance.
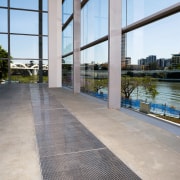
(149, 87)
(153, 66)
(129, 84)
(3, 63)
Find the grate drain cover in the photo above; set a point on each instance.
(91, 165)
(69, 151)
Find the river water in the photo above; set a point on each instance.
(168, 93)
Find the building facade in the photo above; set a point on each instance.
(85, 42)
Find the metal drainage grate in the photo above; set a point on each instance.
(68, 151)
(89, 165)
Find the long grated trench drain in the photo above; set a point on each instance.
(67, 150)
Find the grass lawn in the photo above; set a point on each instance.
(28, 79)
(175, 120)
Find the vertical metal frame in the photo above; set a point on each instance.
(40, 41)
(9, 44)
(76, 45)
(114, 54)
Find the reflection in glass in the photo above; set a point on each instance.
(23, 71)
(67, 41)
(32, 4)
(4, 20)
(94, 21)
(94, 69)
(24, 22)
(67, 71)
(139, 9)
(24, 46)
(67, 10)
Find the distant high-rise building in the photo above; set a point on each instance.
(175, 60)
(167, 62)
(161, 62)
(141, 61)
(126, 61)
(150, 59)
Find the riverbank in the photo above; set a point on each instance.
(169, 80)
(171, 119)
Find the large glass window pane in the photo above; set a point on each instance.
(4, 20)
(67, 71)
(160, 39)
(94, 70)
(67, 10)
(23, 71)
(45, 5)
(24, 22)
(94, 21)
(153, 51)
(45, 48)
(68, 39)
(32, 4)
(45, 25)
(138, 9)
(24, 46)
(3, 3)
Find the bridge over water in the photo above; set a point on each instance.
(32, 70)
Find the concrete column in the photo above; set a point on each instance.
(76, 45)
(55, 43)
(114, 43)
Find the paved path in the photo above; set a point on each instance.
(91, 136)
(67, 149)
(19, 158)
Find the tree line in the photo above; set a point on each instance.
(3, 63)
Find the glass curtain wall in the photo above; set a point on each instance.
(94, 70)
(94, 52)
(67, 44)
(150, 53)
(23, 39)
(148, 65)
(94, 58)
(67, 62)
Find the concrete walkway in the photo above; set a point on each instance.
(18, 151)
(151, 151)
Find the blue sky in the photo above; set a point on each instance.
(160, 38)
(23, 22)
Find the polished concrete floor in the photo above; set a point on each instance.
(54, 134)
